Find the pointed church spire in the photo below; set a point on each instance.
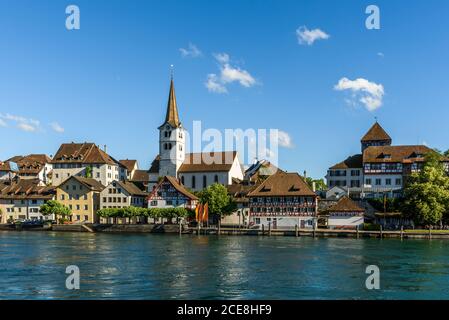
(172, 116)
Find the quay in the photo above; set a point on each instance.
(227, 231)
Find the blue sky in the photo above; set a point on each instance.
(108, 82)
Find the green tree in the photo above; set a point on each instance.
(55, 208)
(218, 200)
(319, 183)
(446, 154)
(427, 192)
(89, 172)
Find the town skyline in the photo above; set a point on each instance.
(302, 91)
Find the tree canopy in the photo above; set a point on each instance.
(319, 183)
(218, 199)
(56, 208)
(427, 192)
(132, 212)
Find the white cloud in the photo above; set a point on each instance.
(284, 139)
(228, 74)
(368, 93)
(381, 54)
(25, 124)
(213, 84)
(222, 57)
(26, 127)
(308, 37)
(191, 52)
(231, 74)
(56, 127)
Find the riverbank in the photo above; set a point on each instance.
(177, 229)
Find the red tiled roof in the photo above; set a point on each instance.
(208, 162)
(345, 204)
(283, 184)
(403, 154)
(376, 133)
(128, 164)
(179, 187)
(352, 162)
(88, 153)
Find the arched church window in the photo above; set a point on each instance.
(204, 181)
(169, 146)
(165, 146)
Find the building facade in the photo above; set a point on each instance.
(82, 196)
(381, 169)
(84, 160)
(169, 193)
(121, 194)
(34, 166)
(283, 201)
(345, 214)
(21, 199)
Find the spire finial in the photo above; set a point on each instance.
(375, 118)
(172, 68)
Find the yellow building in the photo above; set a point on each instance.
(82, 196)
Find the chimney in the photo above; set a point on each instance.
(105, 149)
(305, 174)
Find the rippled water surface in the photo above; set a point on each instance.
(33, 264)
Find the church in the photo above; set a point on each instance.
(195, 171)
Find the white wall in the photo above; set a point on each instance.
(383, 178)
(103, 173)
(349, 221)
(283, 222)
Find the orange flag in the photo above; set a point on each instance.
(198, 212)
(206, 213)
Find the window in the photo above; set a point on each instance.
(86, 207)
(77, 207)
(368, 182)
(216, 178)
(378, 182)
(398, 182)
(193, 182)
(388, 182)
(62, 197)
(98, 174)
(153, 203)
(104, 199)
(204, 181)
(85, 197)
(182, 180)
(86, 217)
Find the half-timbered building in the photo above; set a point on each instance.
(283, 201)
(170, 193)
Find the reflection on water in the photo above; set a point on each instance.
(32, 266)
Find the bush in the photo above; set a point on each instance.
(371, 227)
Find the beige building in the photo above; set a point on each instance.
(121, 194)
(82, 196)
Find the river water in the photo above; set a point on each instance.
(146, 266)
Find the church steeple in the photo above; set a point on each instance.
(172, 116)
